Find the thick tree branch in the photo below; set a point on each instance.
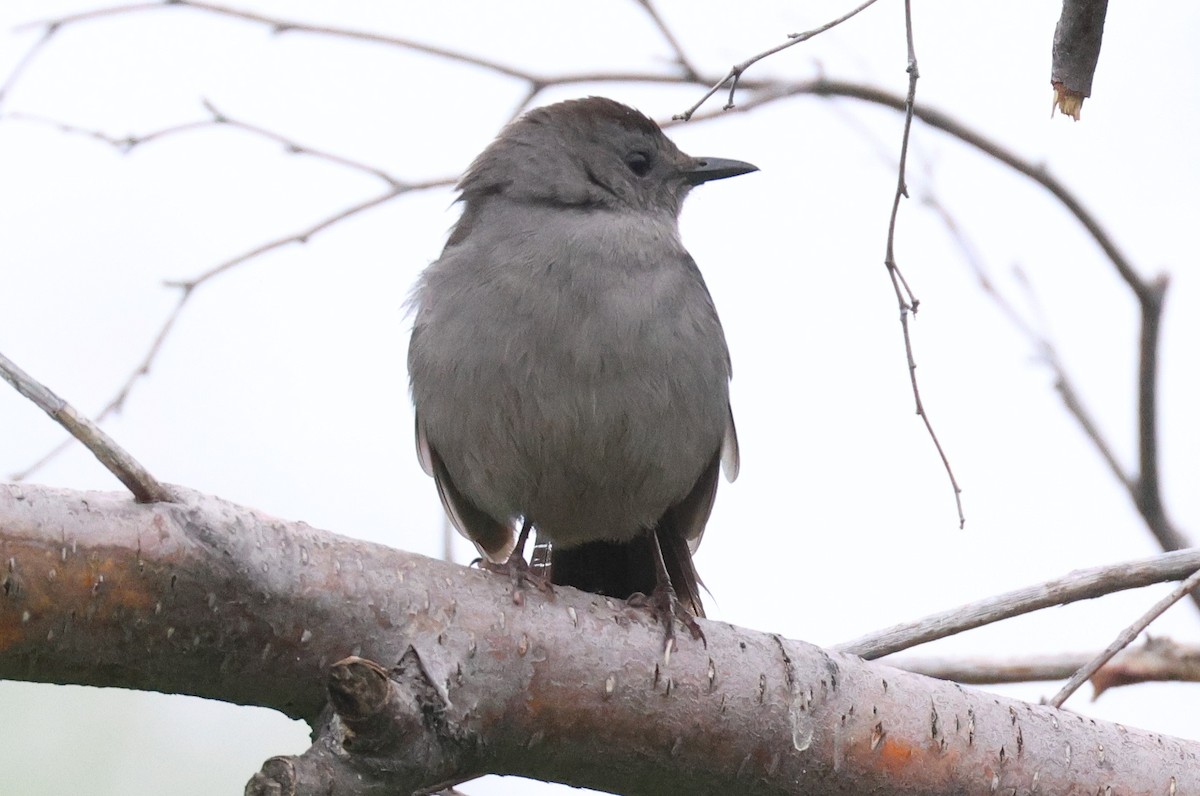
(208, 598)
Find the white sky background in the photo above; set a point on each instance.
(283, 385)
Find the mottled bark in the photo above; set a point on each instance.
(438, 676)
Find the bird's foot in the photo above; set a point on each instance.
(665, 607)
(522, 575)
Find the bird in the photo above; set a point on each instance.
(568, 369)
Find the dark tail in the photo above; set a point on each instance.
(619, 569)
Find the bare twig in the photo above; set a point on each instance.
(1144, 490)
(280, 25)
(277, 25)
(905, 299)
(117, 402)
(24, 62)
(1169, 537)
(1084, 584)
(1146, 494)
(1125, 638)
(187, 288)
(396, 187)
(1158, 660)
(907, 302)
(1036, 335)
(1047, 352)
(304, 235)
(216, 118)
(985, 671)
(124, 143)
(1037, 173)
(689, 70)
(145, 488)
(734, 75)
(128, 142)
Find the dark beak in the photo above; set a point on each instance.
(707, 169)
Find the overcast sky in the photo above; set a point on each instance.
(282, 385)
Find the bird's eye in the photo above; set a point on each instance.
(639, 162)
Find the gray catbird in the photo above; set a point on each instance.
(567, 363)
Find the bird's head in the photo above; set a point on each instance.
(592, 152)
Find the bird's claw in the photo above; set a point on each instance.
(665, 607)
(521, 574)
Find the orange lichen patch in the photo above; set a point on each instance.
(882, 754)
(106, 584)
(43, 586)
(896, 756)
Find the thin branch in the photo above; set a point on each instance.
(1037, 173)
(778, 90)
(24, 62)
(304, 235)
(737, 70)
(117, 402)
(1125, 638)
(145, 488)
(216, 118)
(280, 25)
(1083, 584)
(771, 89)
(1149, 294)
(1169, 537)
(1158, 660)
(295, 148)
(689, 71)
(187, 288)
(1148, 496)
(1047, 352)
(124, 143)
(907, 302)
(986, 671)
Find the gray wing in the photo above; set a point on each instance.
(494, 540)
(692, 513)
